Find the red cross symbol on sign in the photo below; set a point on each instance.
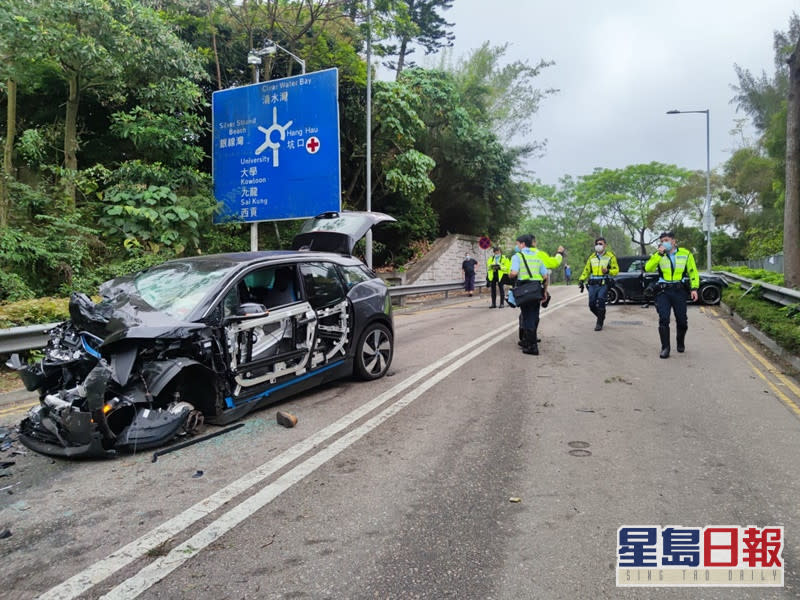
(312, 145)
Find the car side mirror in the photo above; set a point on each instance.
(251, 309)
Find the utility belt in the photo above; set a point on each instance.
(599, 281)
(663, 286)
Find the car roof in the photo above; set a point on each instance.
(233, 259)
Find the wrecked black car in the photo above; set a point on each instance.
(208, 338)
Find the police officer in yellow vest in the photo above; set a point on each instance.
(674, 265)
(497, 269)
(528, 264)
(550, 262)
(601, 265)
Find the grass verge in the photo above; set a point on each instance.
(757, 274)
(782, 324)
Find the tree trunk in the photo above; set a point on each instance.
(642, 244)
(214, 46)
(401, 59)
(71, 139)
(791, 213)
(8, 162)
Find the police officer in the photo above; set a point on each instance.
(497, 268)
(550, 262)
(673, 264)
(527, 265)
(600, 265)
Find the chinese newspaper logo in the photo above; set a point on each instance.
(654, 556)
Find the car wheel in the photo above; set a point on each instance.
(613, 296)
(374, 352)
(710, 294)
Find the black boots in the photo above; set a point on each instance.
(521, 342)
(681, 338)
(663, 333)
(601, 317)
(531, 346)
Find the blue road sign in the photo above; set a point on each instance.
(276, 148)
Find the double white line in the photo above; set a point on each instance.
(163, 566)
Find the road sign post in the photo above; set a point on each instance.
(276, 149)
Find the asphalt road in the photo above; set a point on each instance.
(400, 488)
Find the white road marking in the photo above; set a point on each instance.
(149, 575)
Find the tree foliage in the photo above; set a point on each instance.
(107, 162)
(641, 198)
(405, 24)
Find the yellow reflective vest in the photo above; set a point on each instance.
(683, 265)
(530, 267)
(504, 264)
(551, 262)
(595, 264)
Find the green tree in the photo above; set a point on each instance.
(404, 24)
(503, 96)
(791, 216)
(762, 96)
(106, 48)
(566, 214)
(18, 57)
(640, 197)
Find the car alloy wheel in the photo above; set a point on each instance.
(710, 294)
(374, 352)
(613, 296)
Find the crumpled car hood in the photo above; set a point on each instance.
(123, 315)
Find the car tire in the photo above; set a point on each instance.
(613, 296)
(374, 352)
(710, 294)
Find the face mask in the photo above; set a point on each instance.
(667, 246)
(467, 257)
(598, 248)
(517, 249)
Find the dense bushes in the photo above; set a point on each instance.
(757, 274)
(782, 324)
(33, 312)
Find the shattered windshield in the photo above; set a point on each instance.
(178, 288)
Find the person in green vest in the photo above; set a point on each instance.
(600, 265)
(550, 262)
(497, 269)
(526, 266)
(675, 266)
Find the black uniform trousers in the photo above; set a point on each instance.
(529, 316)
(672, 298)
(494, 284)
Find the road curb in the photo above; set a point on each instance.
(763, 338)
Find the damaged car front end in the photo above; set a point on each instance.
(208, 339)
(114, 378)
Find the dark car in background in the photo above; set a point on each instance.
(631, 284)
(209, 338)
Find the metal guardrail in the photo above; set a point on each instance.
(775, 293)
(402, 292)
(21, 339)
(34, 337)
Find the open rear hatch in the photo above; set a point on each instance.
(337, 231)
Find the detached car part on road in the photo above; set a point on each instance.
(208, 338)
(633, 284)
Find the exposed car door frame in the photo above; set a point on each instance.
(242, 335)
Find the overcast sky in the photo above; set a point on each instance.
(621, 64)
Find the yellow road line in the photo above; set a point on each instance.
(20, 407)
(767, 365)
(731, 338)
